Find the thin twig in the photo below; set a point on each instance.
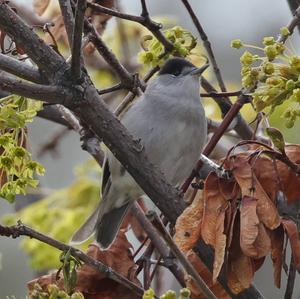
(77, 39)
(291, 280)
(23, 230)
(294, 4)
(221, 94)
(68, 16)
(126, 78)
(216, 137)
(291, 25)
(155, 220)
(206, 44)
(152, 26)
(158, 243)
(111, 89)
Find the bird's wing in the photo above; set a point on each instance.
(88, 227)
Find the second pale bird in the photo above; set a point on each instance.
(170, 121)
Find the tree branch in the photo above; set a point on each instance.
(44, 56)
(67, 13)
(51, 94)
(154, 219)
(158, 243)
(295, 21)
(152, 26)
(206, 43)
(19, 69)
(22, 230)
(77, 38)
(126, 78)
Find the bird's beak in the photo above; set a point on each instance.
(200, 70)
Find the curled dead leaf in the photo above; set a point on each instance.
(277, 240)
(250, 186)
(188, 225)
(214, 202)
(220, 246)
(240, 268)
(291, 230)
(254, 240)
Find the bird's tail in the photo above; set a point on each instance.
(108, 225)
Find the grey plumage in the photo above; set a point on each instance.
(170, 121)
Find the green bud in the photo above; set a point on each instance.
(296, 94)
(169, 295)
(77, 295)
(284, 31)
(289, 123)
(6, 162)
(185, 293)
(280, 47)
(295, 62)
(271, 52)
(4, 140)
(236, 43)
(269, 40)
(268, 68)
(19, 152)
(274, 81)
(290, 85)
(247, 58)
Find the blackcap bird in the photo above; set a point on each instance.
(169, 119)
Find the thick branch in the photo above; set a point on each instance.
(19, 69)
(206, 43)
(48, 93)
(22, 230)
(44, 56)
(77, 38)
(51, 113)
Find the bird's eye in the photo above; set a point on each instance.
(176, 74)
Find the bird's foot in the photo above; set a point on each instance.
(219, 170)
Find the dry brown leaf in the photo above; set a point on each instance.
(206, 275)
(278, 176)
(250, 186)
(240, 268)
(254, 240)
(40, 6)
(188, 225)
(293, 235)
(214, 202)
(95, 285)
(220, 246)
(277, 240)
(249, 225)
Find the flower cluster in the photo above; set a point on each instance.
(53, 292)
(273, 77)
(17, 169)
(154, 52)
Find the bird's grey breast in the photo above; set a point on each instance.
(172, 130)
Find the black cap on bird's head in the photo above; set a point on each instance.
(179, 66)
